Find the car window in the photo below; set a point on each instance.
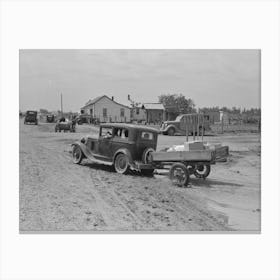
(106, 132)
(121, 132)
(147, 135)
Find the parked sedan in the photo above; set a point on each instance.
(124, 146)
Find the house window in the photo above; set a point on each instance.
(105, 112)
(137, 111)
(122, 112)
(91, 111)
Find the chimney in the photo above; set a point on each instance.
(128, 97)
(113, 98)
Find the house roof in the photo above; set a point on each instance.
(95, 100)
(153, 106)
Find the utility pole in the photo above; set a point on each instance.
(61, 104)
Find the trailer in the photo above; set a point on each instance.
(182, 164)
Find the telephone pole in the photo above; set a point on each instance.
(61, 104)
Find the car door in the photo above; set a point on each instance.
(120, 139)
(105, 143)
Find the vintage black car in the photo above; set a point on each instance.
(50, 118)
(31, 117)
(124, 146)
(181, 123)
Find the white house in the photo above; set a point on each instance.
(107, 109)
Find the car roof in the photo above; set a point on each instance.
(131, 126)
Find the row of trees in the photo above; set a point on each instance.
(176, 104)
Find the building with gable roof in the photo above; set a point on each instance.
(106, 109)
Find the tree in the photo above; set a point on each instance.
(177, 104)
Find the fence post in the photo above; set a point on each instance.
(202, 131)
(187, 129)
(193, 127)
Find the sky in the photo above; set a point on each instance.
(209, 77)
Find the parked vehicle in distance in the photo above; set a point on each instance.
(50, 118)
(124, 146)
(65, 125)
(31, 117)
(180, 124)
(86, 119)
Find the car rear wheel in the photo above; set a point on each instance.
(121, 164)
(77, 154)
(147, 155)
(171, 131)
(179, 174)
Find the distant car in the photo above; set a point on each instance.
(124, 146)
(65, 125)
(180, 124)
(50, 118)
(86, 119)
(31, 117)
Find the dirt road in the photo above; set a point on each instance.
(57, 195)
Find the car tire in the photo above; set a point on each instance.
(121, 163)
(77, 154)
(202, 171)
(171, 131)
(179, 174)
(147, 157)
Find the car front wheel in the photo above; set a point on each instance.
(77, 154)
(121, 163)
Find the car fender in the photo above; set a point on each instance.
(126, 152)
(82, 146)
(170, 126)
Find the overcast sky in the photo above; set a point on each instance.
(209, 77)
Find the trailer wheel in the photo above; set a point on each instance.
(202, 171)
(179, 174)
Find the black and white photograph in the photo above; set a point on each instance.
(146, 140)
(139, 139)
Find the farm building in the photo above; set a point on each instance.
(148, 113)
(106, 109)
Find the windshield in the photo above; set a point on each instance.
(31, 113)
(178, 118)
